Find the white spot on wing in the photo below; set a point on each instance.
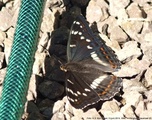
(69, 90)
(97, 59)
(94, 55)
(71, 99)
(72, 45)
(97, 81)
(88, 40)
(89, 47)
(84, 94)
(82, 37)
(78, 93)
(74, 32)
(70, 81)
(78, 23)
(87, 90)
(80, 33)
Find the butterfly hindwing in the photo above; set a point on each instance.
(90, 85)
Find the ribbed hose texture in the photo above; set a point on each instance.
(21, 60)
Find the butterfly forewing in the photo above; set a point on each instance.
(89, 60)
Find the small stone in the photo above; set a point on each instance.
(116, 5)
(76, 118)
(58, 116)
(48, 20)
(2, 37)
(58, 106)
(68, 115)
(8, 47)
(134, 11)
(129, 50)
(140, 108)
(2, 57)
(50, 89)
(118, 34)
(128, 112)
(91, 114)
(80, 2)
(149, 106)
(38, 63)
(46, 107)
(110, 115)
(133, 85)
(31, 107)
(6, 17)
(95, 12)
(36, 116)
(60, 36)
(148, 77)
(140, 2)
(148, 94)
(32, 94)
(43, 42)
(149, 14)
(77, 112)
(133, 67)
(110, 106)
(146, 114)
(2, 75)
(132, 98)
(132, 28)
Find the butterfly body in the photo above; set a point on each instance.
(89, 67)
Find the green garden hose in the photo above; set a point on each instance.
(21, 60)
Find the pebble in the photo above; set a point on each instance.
(148, 77)
(128, 111)
(129, 50)
(51, 90)
(127, 96)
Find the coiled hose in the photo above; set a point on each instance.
(21, 60)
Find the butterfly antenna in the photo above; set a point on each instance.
(54, 56)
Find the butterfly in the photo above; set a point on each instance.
(89, 67)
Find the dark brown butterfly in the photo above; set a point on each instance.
(89, 67)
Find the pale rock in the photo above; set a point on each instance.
(2, 37)
(140, 108)
(91, 114)
(133, 85)
(134, 11)
(129, 50)
(146, 114)
(116, 33)
(4, 21)
(108, 115)
(32, 94)
(58, 116)
(128, 112)
(132, 98)
(110, 106)
(96, 11)
(58, 106)
(132, 28)
(133, 67)
(117, 5)
(148, 77)
(8, 46)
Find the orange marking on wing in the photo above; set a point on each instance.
(111, 63)
(108, 87)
